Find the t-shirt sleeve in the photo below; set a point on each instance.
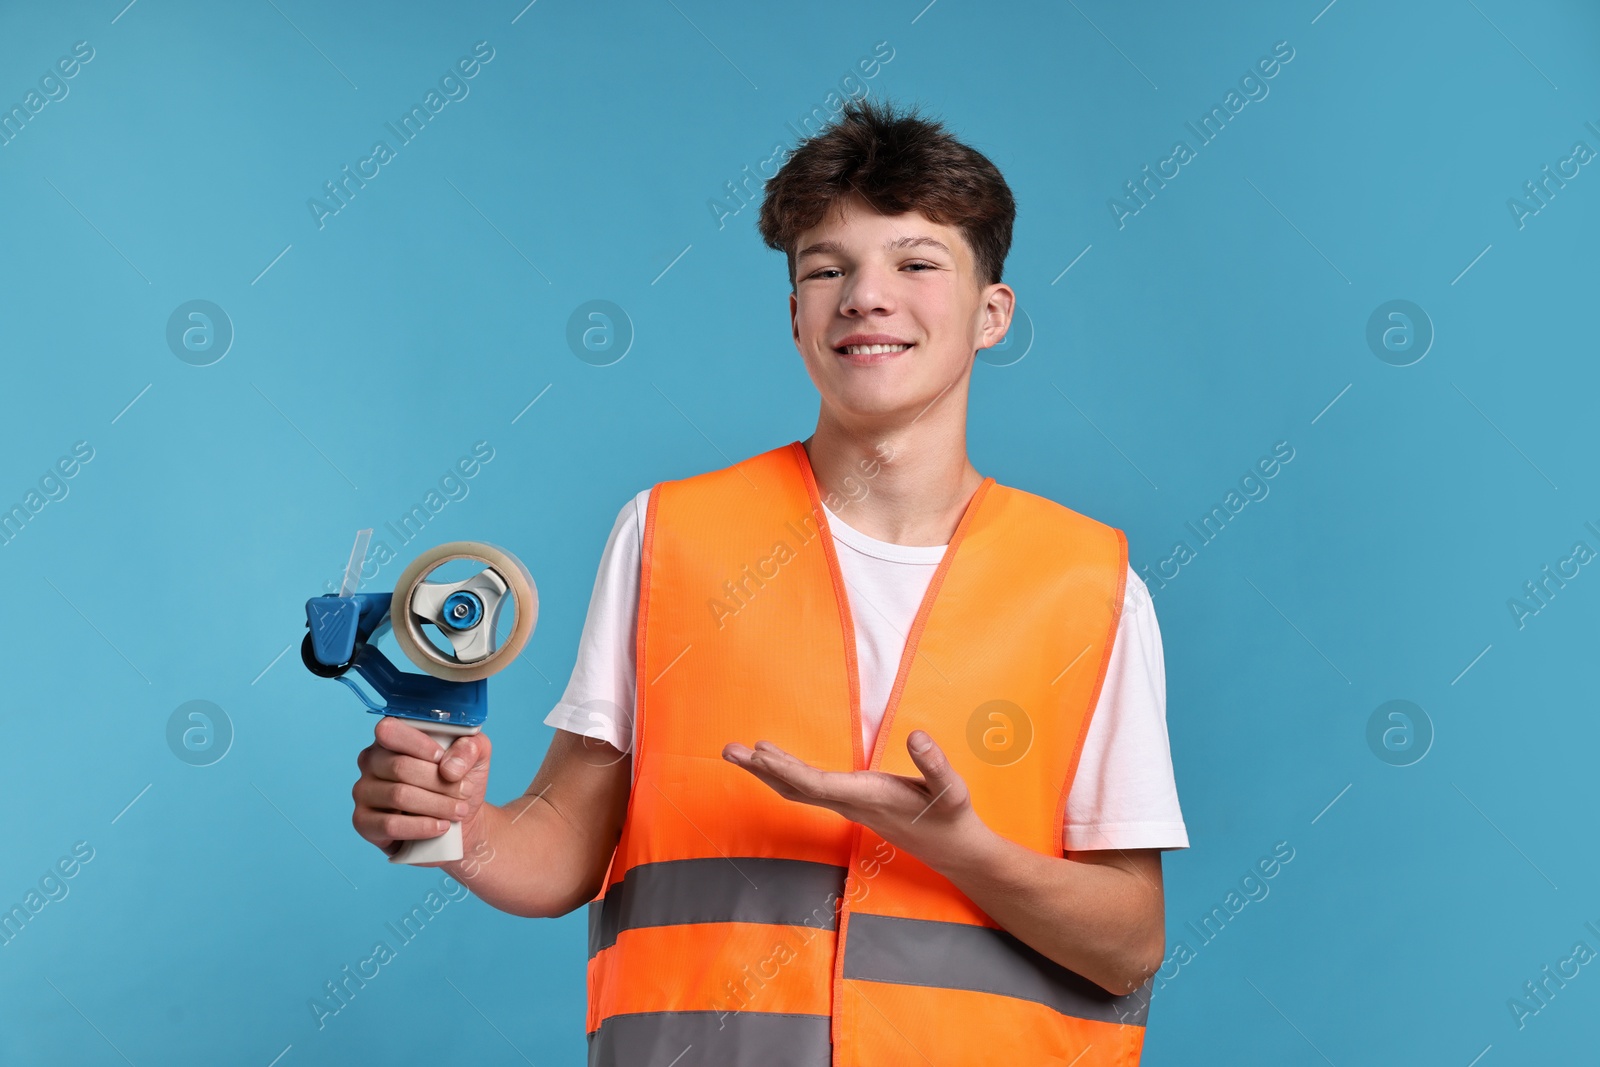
(598, 701)
(1124, 795)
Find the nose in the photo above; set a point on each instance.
(866, 292)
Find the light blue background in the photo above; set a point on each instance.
(1224, 317)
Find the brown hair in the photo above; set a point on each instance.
(897, 163)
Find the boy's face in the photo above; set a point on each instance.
(862, 276)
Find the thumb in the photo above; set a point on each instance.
(935, 767)
(467, 761)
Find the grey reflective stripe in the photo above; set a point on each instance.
(711, 1039)
(884, 948)
(746, 889)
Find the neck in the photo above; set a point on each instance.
(906, 482)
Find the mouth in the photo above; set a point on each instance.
(866, 354)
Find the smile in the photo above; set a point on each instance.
(871, 350)
(871, 354)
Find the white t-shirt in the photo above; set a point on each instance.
(1123, 795)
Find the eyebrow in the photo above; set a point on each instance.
(833, 248)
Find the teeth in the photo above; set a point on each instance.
(873, 350)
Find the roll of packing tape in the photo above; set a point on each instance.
(406, 622)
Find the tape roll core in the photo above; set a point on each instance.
(407, 626)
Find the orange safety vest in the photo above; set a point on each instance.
(740, 929)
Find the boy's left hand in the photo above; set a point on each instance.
(929, 816)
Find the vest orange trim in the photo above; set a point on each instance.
(739, 928)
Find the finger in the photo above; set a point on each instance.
(777, 757)
(388, 826)
(408, 799)
(841, 788)
(396, 736)
(744, 758)
(782, 787)
(775, 761)
(361, 819)
(393, 767)
(742, 754)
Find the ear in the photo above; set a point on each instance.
(1000, 303)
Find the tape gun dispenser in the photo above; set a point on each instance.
(451, 699)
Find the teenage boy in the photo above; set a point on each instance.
(864, 758)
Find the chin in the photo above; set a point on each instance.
(877, 403)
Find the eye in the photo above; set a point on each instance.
(822, 271)
(919, 263)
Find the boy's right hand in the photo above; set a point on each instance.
(410, 788)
